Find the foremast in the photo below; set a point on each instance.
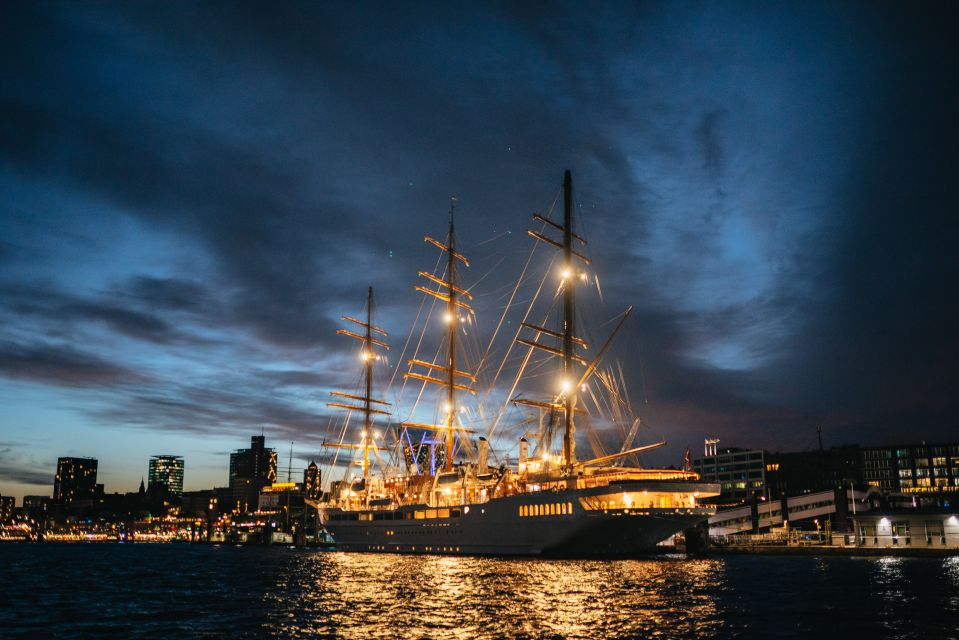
(368, 355)
(450, 293)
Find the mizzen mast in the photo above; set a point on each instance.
(450, 293)
(368, 355)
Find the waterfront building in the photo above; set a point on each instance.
(903, 529)
(311, 481)
(76, 479)
(7, 505)
(740, 473)
(914, 468)
(795, 473)
(36, 505)
(166, 471)
(251, 470)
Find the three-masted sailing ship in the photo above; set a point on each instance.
(547, 503)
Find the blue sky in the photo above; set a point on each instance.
(193, 194)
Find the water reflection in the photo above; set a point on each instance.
(384, 596)
(202, 591)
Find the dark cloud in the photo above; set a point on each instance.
(62, 365)
(26, 476)
(199, 191)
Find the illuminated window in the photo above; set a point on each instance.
(564, 510)
(570, 506)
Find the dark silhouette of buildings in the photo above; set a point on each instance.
(76, 479)
(251, 470)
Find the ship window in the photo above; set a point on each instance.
(419, 515)
(442, 513)
(564, 510)
(455, 513)
(539, 509)
(552, 509)
(431, 513)
(521, 514)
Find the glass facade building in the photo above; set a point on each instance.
(167, 471)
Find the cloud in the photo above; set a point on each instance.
(771, 189)
(62, 365)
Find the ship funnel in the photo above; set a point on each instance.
(483, 463)
(523, 454)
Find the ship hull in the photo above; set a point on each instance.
(498, 527)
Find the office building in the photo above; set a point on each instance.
(311, 481)
(76, 479)
(166, 471)
(740, 473)
(251, 470)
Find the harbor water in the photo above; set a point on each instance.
(200, 591)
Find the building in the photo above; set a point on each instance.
(166, 471)
(904, 529)
(7, 505)
(76, 479)
(36, 505)
(251, 470)
(311, 481)
(740, 473)
(930, 469)
(795, 473)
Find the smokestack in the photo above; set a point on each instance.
(523, 453)
(483, 466)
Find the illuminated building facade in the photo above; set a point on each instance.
(76, 479)
(740, 473)
(913, 468)
(167, 471)
(311, 481)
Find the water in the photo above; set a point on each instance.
(189, 591)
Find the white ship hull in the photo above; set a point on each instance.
(498, 527)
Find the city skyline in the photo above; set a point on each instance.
(187, 217)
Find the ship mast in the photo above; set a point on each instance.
(569, 443)
(567, 336)
(368, 355)
(450, 293)
(452, 316)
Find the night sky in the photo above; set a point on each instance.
(193, 193)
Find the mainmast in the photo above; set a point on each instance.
(452, 316)
(567, 351)
(450, 293)
(569, 443)
(368, 355)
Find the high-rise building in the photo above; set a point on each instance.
(311, 481)
(7, 505)
(76, 479)
(251, 470)
(167, 471)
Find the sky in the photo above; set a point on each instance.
(193, 193)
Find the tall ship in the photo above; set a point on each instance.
(417, 486)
